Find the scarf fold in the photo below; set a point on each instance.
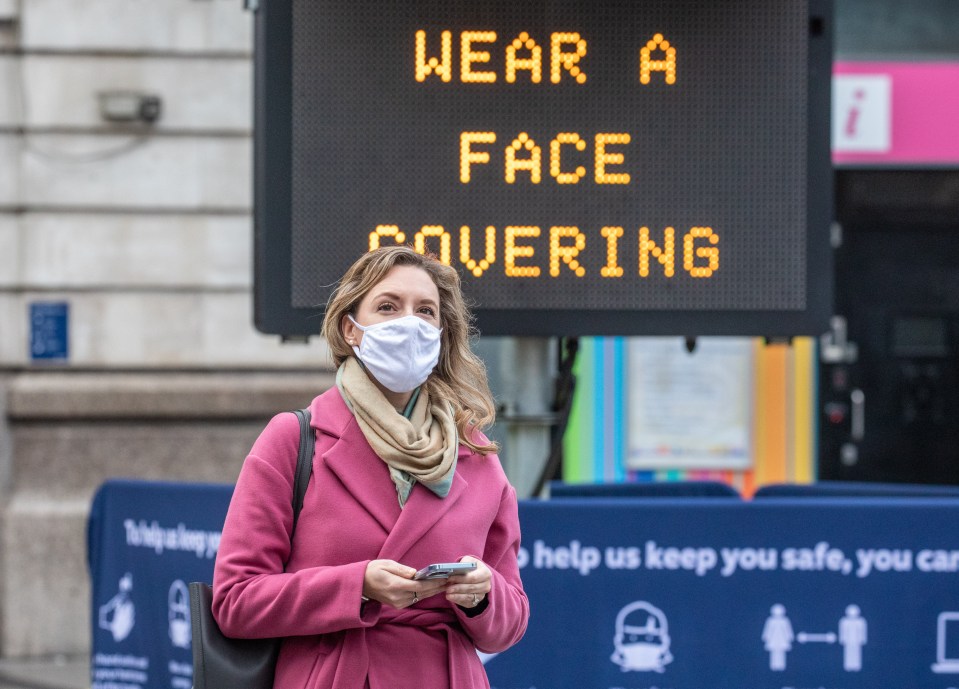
(420, 448)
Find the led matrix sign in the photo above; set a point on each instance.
(634, 167)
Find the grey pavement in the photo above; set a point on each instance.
(58, 672)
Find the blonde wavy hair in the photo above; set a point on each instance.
(460, 376)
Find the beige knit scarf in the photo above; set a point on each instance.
(421, 448)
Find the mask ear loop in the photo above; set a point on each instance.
(351, 341)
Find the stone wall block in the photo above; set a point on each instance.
(46, 586)
(127, 250)
(84, 429)
(158, 330)
(10, 257)
(13, 343)
(83, 456)
(8, 10)
(63, 90)
(171, 25)
(9, 168)
(40, 396)
(10, 108)
(135, 170)
(8, 36)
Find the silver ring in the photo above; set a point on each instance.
(416, 598)
(475, 601)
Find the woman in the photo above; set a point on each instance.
(402, 477)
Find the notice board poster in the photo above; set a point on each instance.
(690, 410)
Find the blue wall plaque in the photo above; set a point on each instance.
(49, 330)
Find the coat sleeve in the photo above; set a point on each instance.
(504, 620)
(253, 597)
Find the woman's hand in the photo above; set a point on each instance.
(468, 590)
(392, 584)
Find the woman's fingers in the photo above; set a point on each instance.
(469, 590)
(391, 583)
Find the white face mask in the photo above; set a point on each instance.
(400, 353)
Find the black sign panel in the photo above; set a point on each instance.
(641, 167)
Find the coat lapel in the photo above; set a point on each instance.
(364, 475)
(367, 478)
(423, 510)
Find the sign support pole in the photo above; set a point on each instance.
(521, 372)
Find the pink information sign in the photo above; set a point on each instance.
(895, 113)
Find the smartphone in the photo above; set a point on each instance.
(442, 570)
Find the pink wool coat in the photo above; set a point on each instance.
(351, 516)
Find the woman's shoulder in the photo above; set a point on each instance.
(488, 464)
(279, 438)
(281, 435)
(478, 438)
(329, 413)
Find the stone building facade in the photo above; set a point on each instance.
(143, 229)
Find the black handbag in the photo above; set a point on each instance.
(220, 662)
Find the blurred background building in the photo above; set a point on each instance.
(126, 338)
(125, 199)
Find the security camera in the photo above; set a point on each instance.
(129, 106)
(150, 108)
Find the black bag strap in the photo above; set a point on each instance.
(304, 464)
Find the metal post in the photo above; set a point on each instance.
(521, 374)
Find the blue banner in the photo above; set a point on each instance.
(715, 594)
(657, 593)
(147, 541)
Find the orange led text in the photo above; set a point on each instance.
(529, 251)
(522, 55)
(523, 158)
